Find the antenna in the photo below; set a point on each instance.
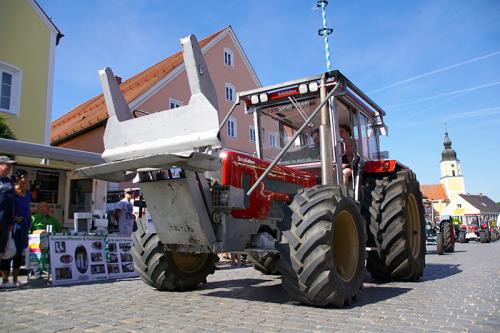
(325, 31)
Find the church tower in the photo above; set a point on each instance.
(451, 173)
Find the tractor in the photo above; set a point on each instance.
(445, 232)
(294, 206)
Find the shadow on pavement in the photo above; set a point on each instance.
(42, 283)
(250, 289)
(440, 271)
(434, 252)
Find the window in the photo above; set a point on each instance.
(228, 57)
(229, 92)
(173, 103)
(251, 134)
(10, 89)
(453, 173)
(459, 206)
(232, 131)
(272, 140)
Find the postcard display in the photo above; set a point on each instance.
(119, 258)
(77, 259)
(90, 258)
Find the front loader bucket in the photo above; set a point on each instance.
(174, 137)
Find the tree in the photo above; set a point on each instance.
(5, 131)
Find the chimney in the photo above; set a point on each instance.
(118, 79)
(480, 194)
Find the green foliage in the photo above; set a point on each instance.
(5, 131)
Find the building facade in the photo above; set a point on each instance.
(164, 86)
(28, 39)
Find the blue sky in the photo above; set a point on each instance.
(425, 62)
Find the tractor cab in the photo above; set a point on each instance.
(287, 115)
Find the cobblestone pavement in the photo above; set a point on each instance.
(459, 292)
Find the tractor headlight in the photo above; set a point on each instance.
(303, 88)
(254, 99)
(313, 86)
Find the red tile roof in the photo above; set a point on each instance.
(434, 192)
(93, 112)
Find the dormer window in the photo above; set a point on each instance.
(228, 57)
(173, 103)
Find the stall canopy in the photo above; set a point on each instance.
(70, 157)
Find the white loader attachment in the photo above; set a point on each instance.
(181, 137)
(175, 137)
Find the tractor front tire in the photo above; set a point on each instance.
(449, 236)
(266, 263)
(322, 252)
(392, 207)
(168, 270)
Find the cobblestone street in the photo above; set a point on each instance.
(459, 292)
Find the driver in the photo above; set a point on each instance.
(347, 153)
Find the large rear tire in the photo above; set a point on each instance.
(168, 270)
(392, 207)
(266, 263)
(449, 236)
(322, 252)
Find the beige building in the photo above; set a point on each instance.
(449, 197)
(28, 40)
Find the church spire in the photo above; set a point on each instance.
(448, 153)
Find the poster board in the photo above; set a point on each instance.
(119, 257)
(77, 259)
(37, 259)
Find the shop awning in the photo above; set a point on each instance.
(49, 153)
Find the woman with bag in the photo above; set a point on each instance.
(6, 203)
(20, 230)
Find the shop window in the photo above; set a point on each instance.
(232, 131)
(228, 57)
(80, 196)
(229, 88)
(10, 88)
(45, 187)
(173, 103)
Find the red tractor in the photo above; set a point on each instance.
(297, 205)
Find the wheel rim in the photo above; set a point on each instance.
(414, 232)
(345, 245)
(188, 262)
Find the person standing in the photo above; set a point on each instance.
(6, 201)
(20, 231)
(124, 213)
